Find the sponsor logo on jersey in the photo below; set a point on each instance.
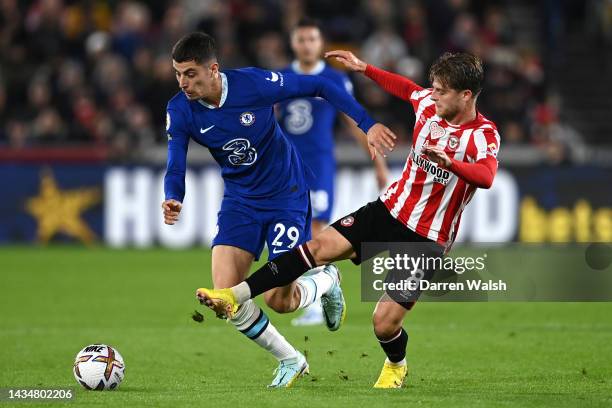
(242, 153)
(299, 119)
(492, 149)
(247, 118)
(347, 221)
(436, 131)
(275, 76)
(441, 175)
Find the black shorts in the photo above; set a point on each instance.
(373, 223)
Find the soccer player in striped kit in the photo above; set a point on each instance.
(454, 152)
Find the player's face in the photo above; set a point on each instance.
(307, 44)
(196, 80)
(449, 102)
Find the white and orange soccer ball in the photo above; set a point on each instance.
(99, 367)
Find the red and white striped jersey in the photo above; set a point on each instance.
(429, 199)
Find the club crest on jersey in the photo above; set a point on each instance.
(247, 118)
(347, 221)
(453, 143)
(436, 131)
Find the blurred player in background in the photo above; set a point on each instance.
(266, 199)
(454, 152)
(309, 124)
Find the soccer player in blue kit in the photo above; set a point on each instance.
(309, 123)
(266, 198)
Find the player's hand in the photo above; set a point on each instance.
(437, 155)
(380, 138)
(348, 59)
(171, 208)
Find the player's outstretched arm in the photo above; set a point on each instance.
(380, 138)
(278, 87)
(395, 84)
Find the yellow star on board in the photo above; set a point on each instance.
(58, 210)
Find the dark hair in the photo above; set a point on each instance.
(197, 46)
(308, 22)
(458, 71)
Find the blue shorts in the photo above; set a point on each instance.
(322, 189)
(244, 225)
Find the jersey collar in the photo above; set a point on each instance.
(295, 65)
(223, 94)
(474, 122)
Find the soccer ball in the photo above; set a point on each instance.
(99, 367)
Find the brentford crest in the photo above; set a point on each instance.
(453, 143)
(347, 221)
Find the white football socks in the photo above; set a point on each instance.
(311, 286)
(398, 364)
(314, 285)
(254, 324)
(242, 292)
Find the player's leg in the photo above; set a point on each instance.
(324, 284)
(342, 240)
(286, 230)
(321, 199)
(392, 307)
(238, 243)
(388, 319)
(317, 227)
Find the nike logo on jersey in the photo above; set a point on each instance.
(278, 251)
(207, 129)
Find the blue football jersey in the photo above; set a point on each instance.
(256, 159)
(309, 122)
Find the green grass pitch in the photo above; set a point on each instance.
(57, 300)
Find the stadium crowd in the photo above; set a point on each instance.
(99, 72)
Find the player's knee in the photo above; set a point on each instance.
(315, 246)
(384, 326)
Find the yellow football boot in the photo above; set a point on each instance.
(221, 301)
(391, 376)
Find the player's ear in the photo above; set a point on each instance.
(214, 69)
